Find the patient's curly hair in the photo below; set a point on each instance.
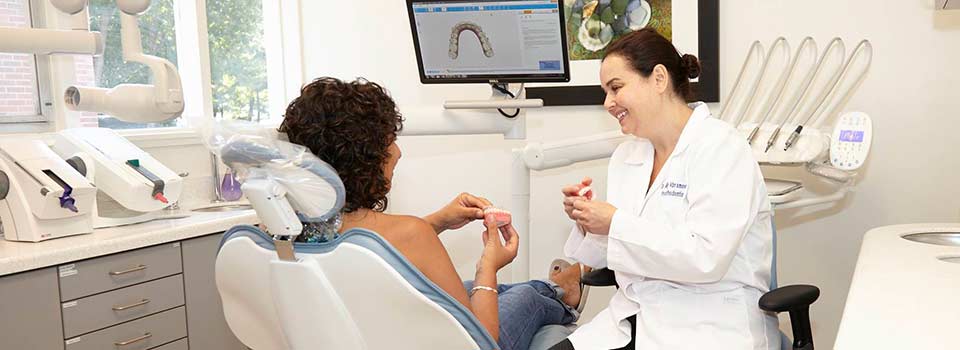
(349, 125)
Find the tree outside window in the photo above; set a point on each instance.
(157, 38)
(238, 63)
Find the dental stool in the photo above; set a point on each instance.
(795, 299)
(341, 291)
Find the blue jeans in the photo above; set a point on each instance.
(525, 307)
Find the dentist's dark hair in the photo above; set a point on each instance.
(646, 48)
(349, 125)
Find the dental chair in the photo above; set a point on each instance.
(339, 291)
(794, 299)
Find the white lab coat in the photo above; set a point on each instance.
(692, 255)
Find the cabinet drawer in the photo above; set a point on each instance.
(177, 345)
(141, 334)
(110, 272)
(121, 305)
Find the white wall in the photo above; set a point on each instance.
(911, 93)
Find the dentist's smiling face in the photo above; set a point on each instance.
(631, 98)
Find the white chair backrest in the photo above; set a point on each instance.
(356, 292)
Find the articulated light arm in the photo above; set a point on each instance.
(138, 103)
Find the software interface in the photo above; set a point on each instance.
(489, 38)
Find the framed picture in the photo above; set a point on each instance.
(591, 25)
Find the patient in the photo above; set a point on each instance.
(353, 126)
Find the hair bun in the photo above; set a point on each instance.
(691, 64)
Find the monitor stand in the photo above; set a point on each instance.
(497, 99)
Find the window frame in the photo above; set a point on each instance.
(193, 57)
(42, 69)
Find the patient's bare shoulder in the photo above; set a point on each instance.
(419, 243)
(407, 230)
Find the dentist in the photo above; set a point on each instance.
(687, 223)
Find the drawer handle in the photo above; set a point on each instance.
(141, 302)
(133, 269)
(134, 340)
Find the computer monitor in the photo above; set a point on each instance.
(481, 41)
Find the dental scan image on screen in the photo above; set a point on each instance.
(479, 41)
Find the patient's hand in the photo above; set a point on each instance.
(497, 254)
(460, 211)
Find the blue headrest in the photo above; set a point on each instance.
(376, 244)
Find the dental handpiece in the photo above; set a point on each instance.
(795, 109)
(806, 84)
(759, 79)
(757, 48)
(835, 84)
(781, 86)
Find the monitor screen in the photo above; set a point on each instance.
(477, 41)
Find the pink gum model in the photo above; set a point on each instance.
(503, 217)
(586, 192)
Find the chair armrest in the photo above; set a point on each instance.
(599, 278)
(796, 300)
(788, 298)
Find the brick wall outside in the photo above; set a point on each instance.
(18, 77)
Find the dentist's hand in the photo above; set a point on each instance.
(593, 216)
(496, 254)
(571, 195)
(460, 211)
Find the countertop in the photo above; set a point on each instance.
(24, 256)
(902, 296)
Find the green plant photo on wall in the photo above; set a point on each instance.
(593, 24)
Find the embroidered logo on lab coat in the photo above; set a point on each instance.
(674, 189)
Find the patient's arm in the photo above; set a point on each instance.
(419, 243)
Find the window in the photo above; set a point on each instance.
(20, 94)
(157, 38)
(238, 61)
(232, 56)
(242, 72)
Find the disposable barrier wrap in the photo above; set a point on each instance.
(313, 187)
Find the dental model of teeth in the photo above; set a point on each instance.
(503, 217)
(485, 45)
(586, 192)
